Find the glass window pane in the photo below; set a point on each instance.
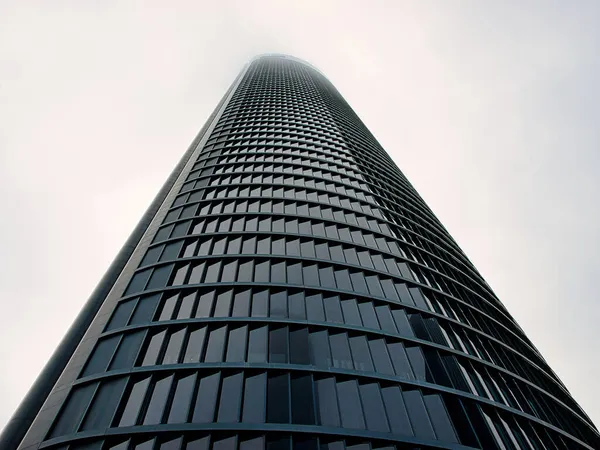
(278, 399)
(73, 410)
(257, 443)
(350, 407)
(144, 310)
(104, 405)
(187, 306)
(418, 364)
(327, 402)
(236, 346)
(314, 308)
(320, 355)
(439, 417)
(101, 356)
(128, 351)
(182, 399)
(278, 345)
(169, 305)
(231, 398)
(160, 277)
(351, 314)
(261, 272)
(260, 300)
(205, 304)
(333, 310)
(223, 304)
(134, 402)
(302, 400)
(299, 347)
(195, 345)
(400, 360)
(174, 347)
(360, 353)
(216, 345)
(158, 401)
(367, 313)
(278, 304)
(204, 409)
(121, 314)
(255, 398)
(375, 416)
(257, 345)
(402, 323)
(380, 356)
(296, 305)
(418, 414)
(241, 304)
(153, 349)
(385, 318)
(396, 411)
(340, 351)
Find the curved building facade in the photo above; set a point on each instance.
(289, 288)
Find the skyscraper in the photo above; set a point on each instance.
(289, 287)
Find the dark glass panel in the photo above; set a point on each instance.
(241, 304)
(223, 304)
(121, 315)
(350, 406)
(144, 310)
(160, 277)
(205, 304)
(351, 314)
(255, 397)
(418, 414)
(73, 410)
(236, 345)
(396, 410)
(168, 308)
(400, 360)
(231, 398)
(278, 304)
(333, 310)
(153, 349)
(187, 306)
(100, 413)
(320, 355)
(216, 345)
(204, 409)
(381, 358)
(327, 402)
(278, 407)
(367, 313)
(101, 356)
(278, 345)
(134, 403)
(360, 353)
(314, 308)
(439, 417)
(182, 399)
(257, 345)
(375, 415)
(173, 350)
(195, 345)
(158, 400)
(260, 302)
(128, 350)
(302, 400)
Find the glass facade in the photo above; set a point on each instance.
(295, 291)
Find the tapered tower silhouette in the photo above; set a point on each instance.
(289, 288)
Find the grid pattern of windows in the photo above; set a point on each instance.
(300, 294)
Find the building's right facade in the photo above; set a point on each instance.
(296, 292)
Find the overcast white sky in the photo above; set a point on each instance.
(490, 108)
